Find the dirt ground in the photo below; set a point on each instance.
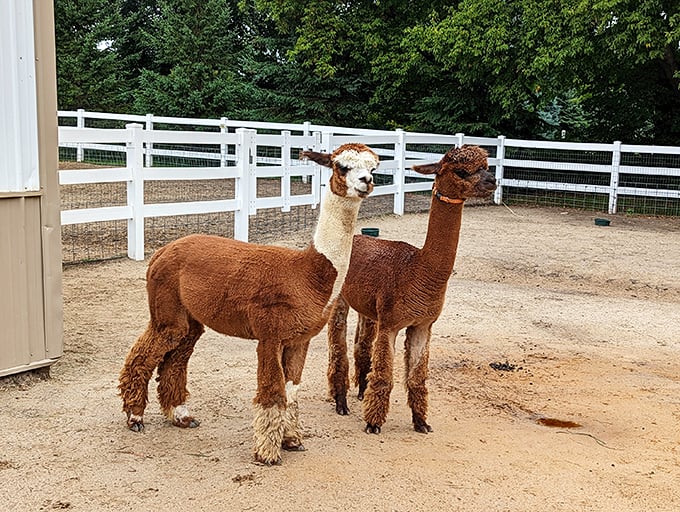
(549, 318)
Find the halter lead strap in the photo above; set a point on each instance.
(445, 199)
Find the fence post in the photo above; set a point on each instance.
(223, 147)
(500, 168)
(461, 139)
(614, 181)
(135, 191)
(306, 129)
(316, 177)
(80, 123)
(245, 158)
(399, 174)
(285, 175)
(148, 155)
(325, 172)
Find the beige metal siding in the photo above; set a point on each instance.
(46, 84)
(30, 245)
(21, 294)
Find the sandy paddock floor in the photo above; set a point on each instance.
(549, 318)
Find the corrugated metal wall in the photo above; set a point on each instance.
(30, 251)
(22, 288)
(18, 106)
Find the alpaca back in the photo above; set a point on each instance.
(240, 289)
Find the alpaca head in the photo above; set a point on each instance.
(352, 165)
(462, 172)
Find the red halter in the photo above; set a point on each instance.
(445, 199)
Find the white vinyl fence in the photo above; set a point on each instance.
(247, 151)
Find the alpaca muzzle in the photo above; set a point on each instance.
(489, 182)
(362, 184)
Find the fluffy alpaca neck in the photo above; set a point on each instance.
(334, 232)
(441, 243)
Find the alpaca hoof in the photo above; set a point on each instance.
(187, 423)
(420, 425)
(291, 446)
(135, 423)
(341, 405)
(372, 429)
(360, 396)
(423, 428)
(181, 418)
(266, 462)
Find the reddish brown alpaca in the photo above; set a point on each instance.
(281, 297)
(393, 285)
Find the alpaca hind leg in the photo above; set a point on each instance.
(172, 379)
(416, 357)
(365, 335)
(377, 397)
(269, 404)
(338, 363)
(293, 363)
(139, 365)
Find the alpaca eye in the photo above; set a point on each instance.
(462, 173)
(343, 169)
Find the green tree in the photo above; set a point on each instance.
(331, 54)
(595, 69)
(198, 46)
(138, 18)
(90, 70)
(633, 88)
(496, 66)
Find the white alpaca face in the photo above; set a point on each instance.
(358, 166)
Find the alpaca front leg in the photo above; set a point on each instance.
(268, 426)
(377, 397)
(172, 380)
(416, 358)
(134, 377)
(269, 404)
(338, 363)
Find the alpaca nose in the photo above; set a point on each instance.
(368, 179)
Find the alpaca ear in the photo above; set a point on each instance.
(427, 168)
(320, 158)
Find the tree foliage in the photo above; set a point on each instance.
(597, 70)
(196, 45)
(90, 70)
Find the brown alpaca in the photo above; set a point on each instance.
(278, 296)
(393, 285)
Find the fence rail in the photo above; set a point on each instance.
(148, 149)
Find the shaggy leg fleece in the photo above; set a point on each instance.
(376, 405)
(269, 426)
(134, 377)
(292, 438)
(380, 382)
